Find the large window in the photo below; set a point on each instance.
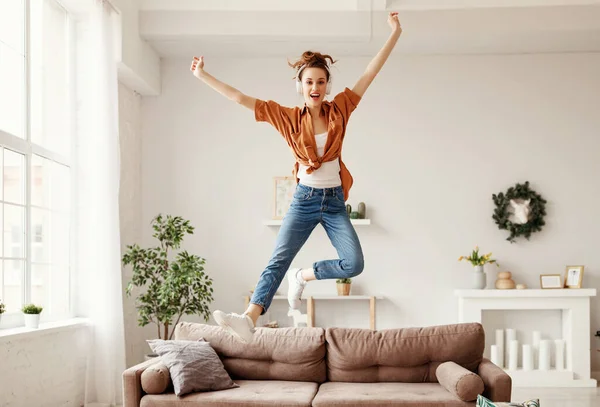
(36, 112)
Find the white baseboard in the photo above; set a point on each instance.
(103, 405)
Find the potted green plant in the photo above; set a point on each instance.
(478, 261)
(32, 312)
(2, 309)
(343, 286)
(170, 285)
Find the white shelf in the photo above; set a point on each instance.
(356, 222)
(311, 300)
(333, 297)
(527, 293)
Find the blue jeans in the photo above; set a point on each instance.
(309, 207)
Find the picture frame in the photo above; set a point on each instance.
(550, 281)
(283, 193)
(573, 276)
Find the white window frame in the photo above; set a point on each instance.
(26, 147)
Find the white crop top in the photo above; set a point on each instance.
(328, 175)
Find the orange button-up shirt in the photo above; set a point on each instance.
(295, 125)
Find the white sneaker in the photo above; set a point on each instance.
(295, 288)
(240, 326)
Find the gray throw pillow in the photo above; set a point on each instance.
(193, 366)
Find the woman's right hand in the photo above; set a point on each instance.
(197, 67)
(394, 22)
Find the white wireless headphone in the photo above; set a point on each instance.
(299, 81)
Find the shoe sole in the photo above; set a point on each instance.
(228, 328)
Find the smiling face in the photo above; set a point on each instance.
(314, 85)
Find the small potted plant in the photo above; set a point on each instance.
(343, 286)
(32, 315)
(478, 261)
(2, 309)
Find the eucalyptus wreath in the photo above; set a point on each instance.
(535, 219)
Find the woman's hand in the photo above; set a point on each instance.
(394, 22)
(197, 67)
(224, 89)
(377, 63)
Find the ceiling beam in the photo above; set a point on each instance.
(348, 5)
(253, 5)
(276, 26)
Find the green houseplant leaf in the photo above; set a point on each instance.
(169, 287)
(31, 309)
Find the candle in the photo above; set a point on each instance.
(500, 347)
(527, 358)
(511, 335)
(513, 354)
(537, 337)
(544, 359)
(494, 355)
(559, 345)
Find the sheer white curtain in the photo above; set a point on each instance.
(99, 284)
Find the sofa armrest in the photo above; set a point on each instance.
(132, 383)
(498, 384)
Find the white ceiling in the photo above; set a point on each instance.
(242, 28)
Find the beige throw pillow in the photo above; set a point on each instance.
(155, 379)
(193, 365)
(459, 381)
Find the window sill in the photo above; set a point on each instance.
(45, 328)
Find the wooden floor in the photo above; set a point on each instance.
(563, 397)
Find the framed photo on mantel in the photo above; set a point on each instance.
(573, 276)
(550, 281)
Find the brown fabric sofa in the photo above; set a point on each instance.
(337, 367)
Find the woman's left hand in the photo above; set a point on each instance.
(394, 22)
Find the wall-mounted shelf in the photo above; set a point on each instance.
(356, 222)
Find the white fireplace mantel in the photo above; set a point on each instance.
(574, 305)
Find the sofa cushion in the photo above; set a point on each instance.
(296, 354)
(155, 379)
(459, 381)
(407, 355)
(334, 394)
(250, 393)
(193, 366)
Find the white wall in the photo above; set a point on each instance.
(46, 370)
(138, 63)
(432, 140)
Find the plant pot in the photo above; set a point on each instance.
(479, 278)
(149, 356)
(32, 320)
(343, 288)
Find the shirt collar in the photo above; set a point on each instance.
(324, 106)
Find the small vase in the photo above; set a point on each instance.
(32, 320)
(479, 278)
(362, 211)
